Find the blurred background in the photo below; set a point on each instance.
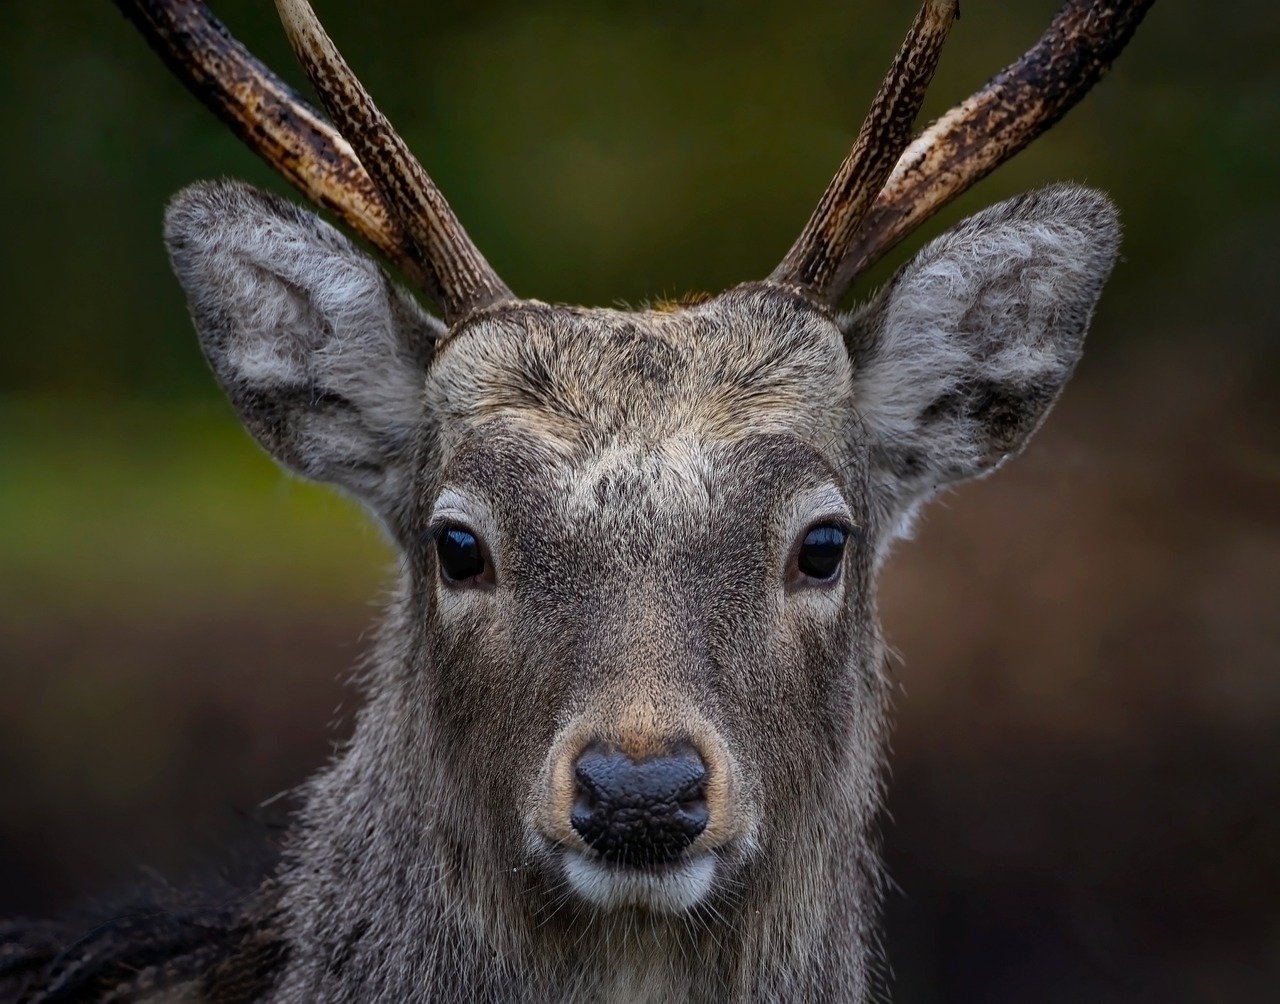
(1085, 801)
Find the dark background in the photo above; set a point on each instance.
(1085, 802)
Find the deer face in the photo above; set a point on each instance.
(644, 550)
(636, 643)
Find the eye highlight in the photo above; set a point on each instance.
(821, 551)
(462, 556)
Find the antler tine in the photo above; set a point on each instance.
(271, 119)
(815, 259)
(981, 133)
(460, 278)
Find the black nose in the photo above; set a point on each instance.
(642, 813)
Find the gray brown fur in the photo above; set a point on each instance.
(640, 478)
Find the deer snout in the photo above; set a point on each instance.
(643, 812)
(638, 793)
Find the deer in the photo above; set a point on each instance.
(624, 725)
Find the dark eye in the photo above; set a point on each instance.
(461, 556)
(821, 551)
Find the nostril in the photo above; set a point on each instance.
(586, 796)
(584, 804)
(692, 797)
(695, 811)
(639, 813)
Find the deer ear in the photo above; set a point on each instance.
(321, 354)
(957, 361)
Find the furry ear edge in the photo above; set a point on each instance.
(959, 358)
(321, 354)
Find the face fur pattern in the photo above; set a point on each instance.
(625, 719)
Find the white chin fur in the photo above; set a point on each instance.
(673, 889)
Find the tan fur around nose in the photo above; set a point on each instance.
(641, 733)
(642, 730)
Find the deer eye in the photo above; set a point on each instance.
(461, 556)
(820, 552)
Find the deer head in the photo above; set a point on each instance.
(634, 664)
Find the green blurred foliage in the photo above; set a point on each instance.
(149, 509)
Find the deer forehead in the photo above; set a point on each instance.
(599, 388)
(542, 487)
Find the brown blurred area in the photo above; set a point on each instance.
(1085, 795)
(1085, 775)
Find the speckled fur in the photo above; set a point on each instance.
(640, 478)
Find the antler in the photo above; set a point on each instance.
(959, 149)
(884, 189)
(818, 252)
(466, 280)
(372, 182)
